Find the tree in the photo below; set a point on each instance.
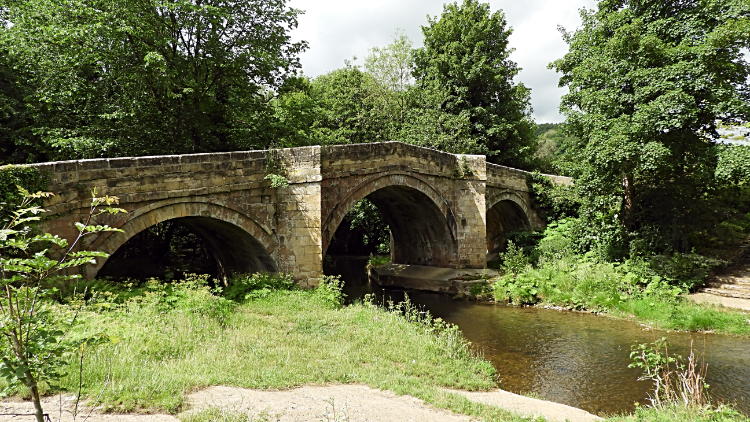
(391, 65)
(17, 140)
(152, 76)
(348, 108)
(648, 81)
(32, 343)
(466, 55)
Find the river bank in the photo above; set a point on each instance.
(173, 340)
(349, 402)
(568, 355)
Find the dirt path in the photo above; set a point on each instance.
(727, 302)
(729, 288)
(352, 403)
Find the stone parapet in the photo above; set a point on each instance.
(437, 204)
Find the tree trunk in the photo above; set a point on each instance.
(31, 383)
(627, 203)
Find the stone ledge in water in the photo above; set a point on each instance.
(419, 277)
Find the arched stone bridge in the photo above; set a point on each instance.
(444, 210)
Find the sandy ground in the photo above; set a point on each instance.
(553, 412)
(341, 403)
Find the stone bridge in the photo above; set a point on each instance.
(444, 210)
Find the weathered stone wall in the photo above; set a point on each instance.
(455, 238)
(440, 206)
(298, 217)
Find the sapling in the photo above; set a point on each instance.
(33, 339)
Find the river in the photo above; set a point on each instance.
(574, 358)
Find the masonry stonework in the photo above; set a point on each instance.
(444, 210)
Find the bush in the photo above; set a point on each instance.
(330, 291)
(684, 270)
(554, 202)
(559, 240)
(192, 294)
(243, 287)
(520, 290)
(513, 259)
(377, 261)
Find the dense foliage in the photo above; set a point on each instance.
(134, 78)
(466, 55)
(649, 80)
(11, 177)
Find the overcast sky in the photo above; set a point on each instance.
(340, 29)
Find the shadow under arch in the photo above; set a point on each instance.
(422, 224)
(238, 244)
(506, 212)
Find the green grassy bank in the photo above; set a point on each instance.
(624, 290)
(171, 339)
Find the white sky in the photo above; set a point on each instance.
(340, 29)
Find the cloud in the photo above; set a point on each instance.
(338, 30)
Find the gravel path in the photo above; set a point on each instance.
(352, 403)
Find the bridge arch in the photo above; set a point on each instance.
(423, 226)
(238, 243)
(507, 211)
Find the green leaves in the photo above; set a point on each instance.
(466, 55)
(648, 81)
(149, 77)
(33, 339)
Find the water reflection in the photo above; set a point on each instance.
(568, 357)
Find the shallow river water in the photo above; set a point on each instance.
(574, 358)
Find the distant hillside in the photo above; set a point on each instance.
(544, 127)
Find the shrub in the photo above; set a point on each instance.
(330, 291)
(559, 240)
(243, 287)
(513, 259)
(684, 270)
(520, 290)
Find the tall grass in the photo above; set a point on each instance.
(176, 338)
(626, 290)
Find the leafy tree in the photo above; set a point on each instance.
(391, 67)
(348, 111)
(466, 55)
(149, 77)
(32, 343)
(295, 115)
(648, 81)
(428, 124)
(17, 140)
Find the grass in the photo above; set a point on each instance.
(620, 291)
(678, 413)
(378, 260)
(171, 340)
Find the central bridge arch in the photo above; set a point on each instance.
(238, 244)
(423, 227)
